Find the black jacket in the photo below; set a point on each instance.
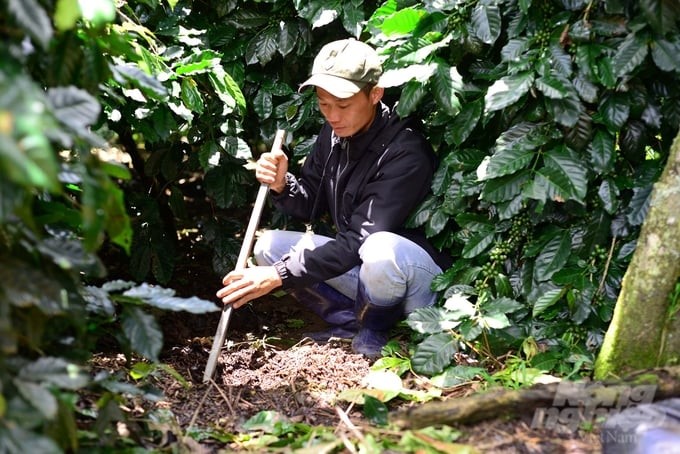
(368, 183)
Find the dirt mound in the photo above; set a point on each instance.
(300, 382)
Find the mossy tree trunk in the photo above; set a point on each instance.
(644, 330)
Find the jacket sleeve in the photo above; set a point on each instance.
(402, 179)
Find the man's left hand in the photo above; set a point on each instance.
(241, 286)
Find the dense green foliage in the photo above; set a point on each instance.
(560, 121)
(551, 118)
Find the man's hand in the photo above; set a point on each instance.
(271, 169)
(241, 286)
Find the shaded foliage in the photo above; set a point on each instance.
(562, 122)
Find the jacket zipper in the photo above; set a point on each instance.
(338, 175)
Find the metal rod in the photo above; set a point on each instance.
(241, 262)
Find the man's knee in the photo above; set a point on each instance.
(395, 269)
(263, 247)
(379, 247)
(380, 273)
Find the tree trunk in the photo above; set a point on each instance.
(642, 334)
(565, 404)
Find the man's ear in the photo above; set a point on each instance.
(376, 94)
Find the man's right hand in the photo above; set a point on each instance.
(271, 169)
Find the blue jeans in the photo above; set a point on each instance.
(394, 270)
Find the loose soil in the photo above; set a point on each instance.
(268, 364)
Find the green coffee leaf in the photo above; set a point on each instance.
(410, 97)
(486, 22)
(402, 22)
(630, 54)
(508, 161)
(494, 321)
(33, 18)
(465, 122)
(546, 300)
(553, 256)
(375, 411)
(566, 171)
(54, 371)
(431, 320)
(505, 188)
(164, 298)
(445, 84)
(433, 354)
(601, 151)
(143, 332)
(664, 54)
(507, 91)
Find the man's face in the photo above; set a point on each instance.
(349, 116)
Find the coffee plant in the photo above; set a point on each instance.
(553, 119)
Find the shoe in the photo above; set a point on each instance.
(375, 323)
(333, 307)
(334, 332)
(370, 343)
(330, 305)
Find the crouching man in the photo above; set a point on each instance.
(369, 170)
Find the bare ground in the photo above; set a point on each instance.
(268, 364)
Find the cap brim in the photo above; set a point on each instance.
(337, 86)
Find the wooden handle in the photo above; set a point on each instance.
(241, 263)
(260, 200)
